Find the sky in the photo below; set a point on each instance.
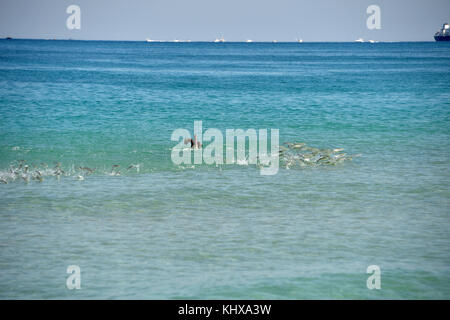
(235, 20)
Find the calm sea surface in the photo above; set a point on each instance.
(167, 231)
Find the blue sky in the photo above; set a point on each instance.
(235, 20)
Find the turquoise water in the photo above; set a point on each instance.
(205, 231)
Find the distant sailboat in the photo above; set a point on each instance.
(299, 40)
(248, 41)
(359, 40)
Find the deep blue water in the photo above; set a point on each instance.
(206, 231)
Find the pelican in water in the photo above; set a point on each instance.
(38, 176)
(113, 172)
(89, 170)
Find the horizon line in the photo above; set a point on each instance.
(212, 41)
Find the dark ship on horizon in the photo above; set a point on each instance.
(443, 34)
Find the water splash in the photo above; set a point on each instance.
(21, 171)
(298, 154)
(292, 155)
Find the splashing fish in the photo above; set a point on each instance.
(301, 155)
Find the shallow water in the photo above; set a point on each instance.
(225, 232)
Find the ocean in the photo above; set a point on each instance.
(159, 230)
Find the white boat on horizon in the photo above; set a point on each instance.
(151, 40)
(219, 40)
(359, 40)
(176, 40)
(248, 41)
